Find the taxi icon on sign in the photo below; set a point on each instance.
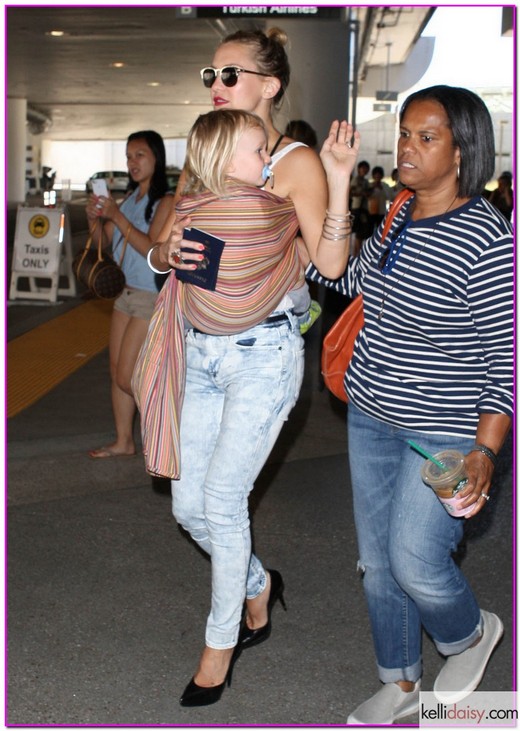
(39, 226)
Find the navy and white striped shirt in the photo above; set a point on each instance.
(442, 353)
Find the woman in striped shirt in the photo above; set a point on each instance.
(432, 364)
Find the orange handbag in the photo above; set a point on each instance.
(338, 344)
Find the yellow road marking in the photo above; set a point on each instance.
(42, 358)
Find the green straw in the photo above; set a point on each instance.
(427, 455)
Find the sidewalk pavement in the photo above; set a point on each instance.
(107, 597)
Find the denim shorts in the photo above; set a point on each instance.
(136, 303)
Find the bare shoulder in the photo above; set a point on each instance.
(299, 167)
(167, 202)
(164, 214)
(165, 208)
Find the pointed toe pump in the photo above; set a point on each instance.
(197, 695)
(251, 637)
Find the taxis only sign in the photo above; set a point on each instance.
(38, 240)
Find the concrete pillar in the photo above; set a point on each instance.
(16, 145)
(318, 54)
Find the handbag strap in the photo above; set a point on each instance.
(125, 244)
(88, 245)
(100, 244)
(398, 202)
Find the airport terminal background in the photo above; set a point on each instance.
(104, 593)
(79, 80)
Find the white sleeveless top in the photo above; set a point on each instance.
(298, 299)
(278, 155)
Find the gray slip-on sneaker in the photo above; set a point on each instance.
(389, 704)
(462, 673)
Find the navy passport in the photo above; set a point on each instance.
(205, 275)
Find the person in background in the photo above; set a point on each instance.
(433, 364)
(379, 197)
(232, 416)
(502, 196)
(359, 191)
(139, 219)
(397, 186)
(301, 131)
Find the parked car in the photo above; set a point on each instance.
(117, 180)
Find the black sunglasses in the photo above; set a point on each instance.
(228, 75)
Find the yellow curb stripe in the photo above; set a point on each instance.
(42, 358)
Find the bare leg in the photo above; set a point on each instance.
(256, 615)
(127, 334)
(406, 685)
(213, 667)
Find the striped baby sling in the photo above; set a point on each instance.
(259, 265)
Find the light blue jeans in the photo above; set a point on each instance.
(406, 539)
(239, 392)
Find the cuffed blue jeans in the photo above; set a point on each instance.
(406, 539)
(239, 392)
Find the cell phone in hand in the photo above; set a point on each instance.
(99, 187)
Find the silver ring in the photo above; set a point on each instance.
(486, 497)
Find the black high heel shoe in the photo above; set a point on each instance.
(197, 695)
(251, 637)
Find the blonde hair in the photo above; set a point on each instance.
(212, 142)
(269, 54)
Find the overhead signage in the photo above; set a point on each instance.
(260, 11)
(382, 107)
(386, 96)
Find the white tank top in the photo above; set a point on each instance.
(300, 299)
(278, 155)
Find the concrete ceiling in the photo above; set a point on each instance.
(75, 93)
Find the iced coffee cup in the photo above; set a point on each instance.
(447, 482)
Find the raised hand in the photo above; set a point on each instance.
(340, 150)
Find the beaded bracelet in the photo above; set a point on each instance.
(148, 259)
(485, 450)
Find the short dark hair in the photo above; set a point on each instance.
(301, 131)
(378, 169)
(159, 182)
(472, 131)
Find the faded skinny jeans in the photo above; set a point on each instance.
(406, 539)
(239, 392)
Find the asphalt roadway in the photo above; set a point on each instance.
(107, 597)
